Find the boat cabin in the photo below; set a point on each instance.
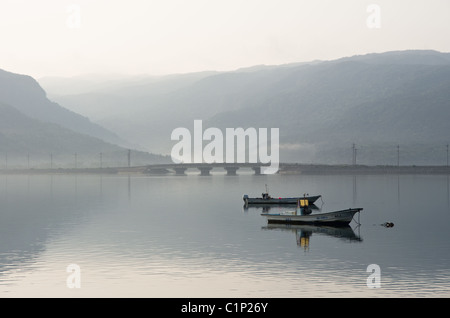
(303, 207)
(266, 196)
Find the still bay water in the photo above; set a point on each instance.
(190, 236)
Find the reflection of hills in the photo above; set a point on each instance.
(303, 233)
(28, 221)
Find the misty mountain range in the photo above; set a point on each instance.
(376, 101)
(37, 132)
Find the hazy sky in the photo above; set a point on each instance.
(72, 37)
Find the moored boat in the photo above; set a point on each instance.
(270, 200)
(267, 199)
(303, 215)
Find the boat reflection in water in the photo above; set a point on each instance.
(304, 232)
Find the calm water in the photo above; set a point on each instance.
(135, 236)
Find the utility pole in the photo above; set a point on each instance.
(447, 155)
(354, 155)
(355, 151)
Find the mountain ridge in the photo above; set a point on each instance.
(33, 127)
(321, 107)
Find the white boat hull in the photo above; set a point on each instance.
(343, 217)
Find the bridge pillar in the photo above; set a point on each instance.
(180, 171)
(257, 170)
(231, 171)
(204, 171)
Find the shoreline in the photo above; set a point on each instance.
(285, 169)
(362, 169)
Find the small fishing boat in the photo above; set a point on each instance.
(270, 200)
(267, 199)
(303, 215)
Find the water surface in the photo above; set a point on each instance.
(190, 236)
